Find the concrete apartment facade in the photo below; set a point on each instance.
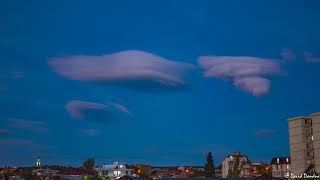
(280, 166)
(304, 137)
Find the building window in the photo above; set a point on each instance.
(308, 153)
(307, 146)
(117, 173)
(278, 160)
(287, 159)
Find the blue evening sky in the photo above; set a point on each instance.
(165, 127)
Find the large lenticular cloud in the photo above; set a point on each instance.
(247, 73)
(133, 69)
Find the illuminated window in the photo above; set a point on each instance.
(287, 159)
(116, 173)
(312, 138)
(278, 160)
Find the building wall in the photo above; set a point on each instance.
(225, 167)
(298, 143)
(279, 170)
(304, 135)
(316, 139)
(228, 163)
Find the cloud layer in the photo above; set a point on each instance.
(265, 132)
(287, 54)
(247, 73)
(132, 69)
(34, 126)
(3, 87)
(309, 57)
(96, 111)
(4, 132)
(90, 132)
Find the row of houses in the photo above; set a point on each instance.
(239, 165)
(235, 165)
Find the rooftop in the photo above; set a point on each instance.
(315, 114)
(299, 117)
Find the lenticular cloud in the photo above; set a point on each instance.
(247, 73)
(96, 111)
(133, 69)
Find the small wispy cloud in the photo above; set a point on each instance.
(309, 57)
(265, 132)
(133, 69)
(5, 132)
(288, 54)
(3, 87)
(247, 73)
(96, 111)
(90, 132)
(34, 126)
(12, 74)
(16, 74)
(17, 144)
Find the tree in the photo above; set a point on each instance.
(237, 167)
(94, 178)
(209, 167)
(89, 163)
(311, 170)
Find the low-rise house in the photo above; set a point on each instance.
(280, 166)
(114, 171)
(169, 171)
(142, 170)
(235, 165)
(78, 173)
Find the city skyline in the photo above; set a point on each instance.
(159, 83)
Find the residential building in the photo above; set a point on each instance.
(142, 170)
(77, 173)
(231, 161)
(165, 172)
(280, 166)
(304, 136)
(114, 171)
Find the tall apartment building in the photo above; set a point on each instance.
(304, 136)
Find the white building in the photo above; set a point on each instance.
(230, 161)
(114, 171)
(280, 166)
